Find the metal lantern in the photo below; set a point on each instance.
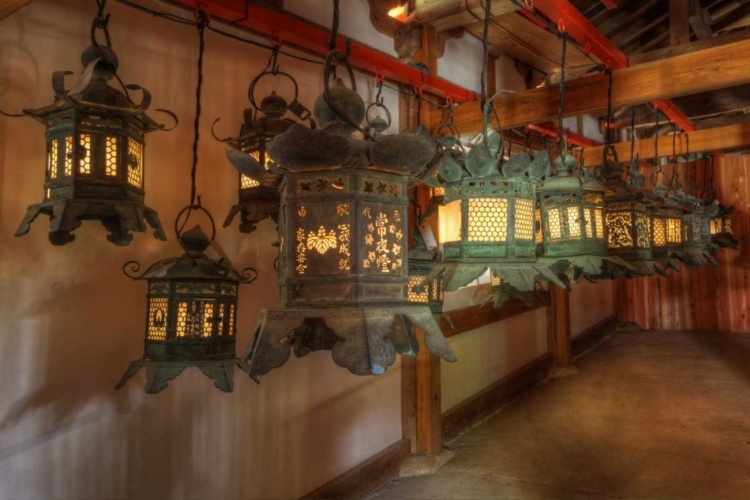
(722, 228)
(698, 245)
(628, 208)
(572, 211)
(497, 207)
(95, 162)
(343, 268)
(423, 291)
(190, 315)
(258, 187)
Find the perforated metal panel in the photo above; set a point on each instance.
(135, 163)
(84, 154)
(110, 156)
(419, 297)
(157, 319)
(488, 219)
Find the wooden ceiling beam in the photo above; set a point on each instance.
(703, 71)
(446, 14)
(8, 7)
(687, 48)
(731, 136)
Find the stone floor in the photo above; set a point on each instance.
(659, 415)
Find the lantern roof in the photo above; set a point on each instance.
(92, 92)
(194, 264)
(564, 181)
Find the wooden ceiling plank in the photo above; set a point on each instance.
(703, 71)
(731, 136)
(732, 17)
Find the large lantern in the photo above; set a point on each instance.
(95, 162)
(259, 194)
(343, 268)
(191, 315)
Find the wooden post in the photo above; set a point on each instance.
(679, 22)
(421, 417)
(558, 334)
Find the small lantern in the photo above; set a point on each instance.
(722, 228)
(95, 163)
(343, 268)
(190, 316)
(259, 188)
(572, 211)
(698, 245)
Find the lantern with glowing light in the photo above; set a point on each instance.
(191, 315)
(258, 187)
(423, 291)
(343, 268)
(628, 210)
(722, 228)
(95, 163)
(490, 212)
(698, 245)
(572, 212)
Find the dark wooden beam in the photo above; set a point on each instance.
(731, 17)
(679, 22)
(447, 14)
(700, 21)
(721, 138)
(703, 71)
(688, 48)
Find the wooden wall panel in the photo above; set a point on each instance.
(709, 298)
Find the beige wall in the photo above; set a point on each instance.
(71, 322)
(589, 304)
(489, 353)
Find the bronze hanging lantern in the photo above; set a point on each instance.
(628, 219)
(191, 315)
(95, 162)
(572, 214)
(421, 290)
(258, 187)
(192, 299)
(343, 267)
(722, 228)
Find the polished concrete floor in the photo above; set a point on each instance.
(658, 415)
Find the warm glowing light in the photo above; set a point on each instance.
(399, 13)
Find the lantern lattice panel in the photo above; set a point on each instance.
(572, 226)
(348, 229)
(488, 219)
(497, 222)
(667, 232)
(418, 293)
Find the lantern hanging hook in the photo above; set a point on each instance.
(186, 212)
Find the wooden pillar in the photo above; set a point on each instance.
(558, 333)
(421, 418)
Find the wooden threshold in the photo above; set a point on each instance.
(367, 477)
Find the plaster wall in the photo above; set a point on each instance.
(71, 322)
(589, 304)
(489, 353)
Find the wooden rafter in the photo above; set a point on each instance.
(447, 14)
(703, 71)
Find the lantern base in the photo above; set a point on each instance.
(591, 267)
(159, 373)
(363, 340)
(519, 276)
(121, 218)
(256, 204)
(694, 259)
